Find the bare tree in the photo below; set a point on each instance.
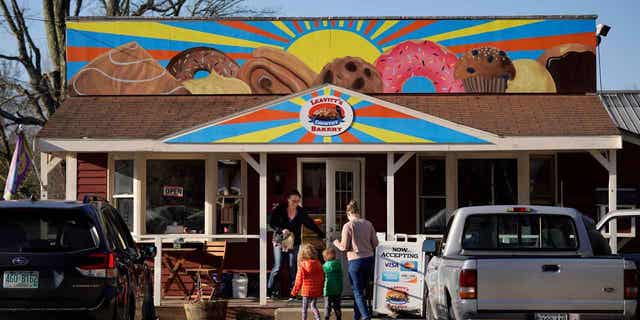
(175, 8)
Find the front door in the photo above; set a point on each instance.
(343, 185)
(327, 186)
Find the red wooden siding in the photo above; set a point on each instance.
(92, 174)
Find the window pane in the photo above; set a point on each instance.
(123, 177)
(505, 181)
(314, 188)
(558, 233)
(480, 232)
(432, 177)
(487, 182)
(433, 215)
(508, 232)
(125, 208)
(229, 177)
(175, 196)
(542, 183)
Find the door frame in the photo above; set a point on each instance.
(325, 160)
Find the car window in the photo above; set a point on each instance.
(46, 230)
(519, 232)
(122, 227)
(116, 238)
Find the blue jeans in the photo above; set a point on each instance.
(360, 275)
(278, 257)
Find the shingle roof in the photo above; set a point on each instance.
(154, 117)
(624, 109)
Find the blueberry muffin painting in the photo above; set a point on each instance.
(485, 69)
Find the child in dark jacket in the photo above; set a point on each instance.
(309, 280)
(332, 283)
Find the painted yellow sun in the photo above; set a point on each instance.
(318, 48)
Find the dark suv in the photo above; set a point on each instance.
(68, 257)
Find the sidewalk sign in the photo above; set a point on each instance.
(399, 275)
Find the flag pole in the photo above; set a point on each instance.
(30, 152)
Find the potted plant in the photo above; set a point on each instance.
(202, 307)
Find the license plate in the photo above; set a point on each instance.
(20, 280)
(552, 316)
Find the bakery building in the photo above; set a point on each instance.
(195, 128)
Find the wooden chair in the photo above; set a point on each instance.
(213, 264)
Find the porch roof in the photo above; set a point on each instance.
(154, 117)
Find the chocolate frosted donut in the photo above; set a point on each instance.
(572, 66)
(186, 63)
(271, 70)
(351, 73)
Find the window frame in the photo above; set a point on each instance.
(242, 219)
(419, 192)
(211, 162)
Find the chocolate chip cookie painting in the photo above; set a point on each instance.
(259, 56)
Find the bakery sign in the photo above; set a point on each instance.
(173, 191)
(326, 115)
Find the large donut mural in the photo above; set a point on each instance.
(283, 56)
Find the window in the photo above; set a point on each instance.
(432, 195)
(51, 230)
(175, 196)
(487, 182)
(519, 232)
(542, 180)
(230, 198)
(123, 190)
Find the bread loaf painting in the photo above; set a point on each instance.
(124, 70)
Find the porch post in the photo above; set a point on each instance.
(44, 174)
(261, 168)
(609, 162)
(524, 173)
(613, 200)
(210, 190)
(451, 169)
(393, 167)
(263, 228)
(157, 273)
(139, 187)
(390, 197)
(71, 180)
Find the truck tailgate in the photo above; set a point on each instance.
(549, 284)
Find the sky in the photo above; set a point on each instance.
(618, 51)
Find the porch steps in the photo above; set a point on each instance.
(294, 314)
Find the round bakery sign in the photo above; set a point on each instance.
(326, 116)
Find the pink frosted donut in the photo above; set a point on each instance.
(412, 58)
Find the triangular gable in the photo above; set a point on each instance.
(309, 117)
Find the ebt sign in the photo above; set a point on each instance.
(326, 115)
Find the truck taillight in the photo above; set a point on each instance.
(630, 284)
(468, 284)
(98, 265)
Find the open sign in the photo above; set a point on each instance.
(173, 191)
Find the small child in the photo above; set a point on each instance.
(332, 283)
(309, 280)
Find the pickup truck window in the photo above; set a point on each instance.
(519, 232)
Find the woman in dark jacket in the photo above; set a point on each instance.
(287, 219)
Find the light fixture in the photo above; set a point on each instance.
(602, 30)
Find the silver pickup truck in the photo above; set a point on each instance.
(527, 262)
